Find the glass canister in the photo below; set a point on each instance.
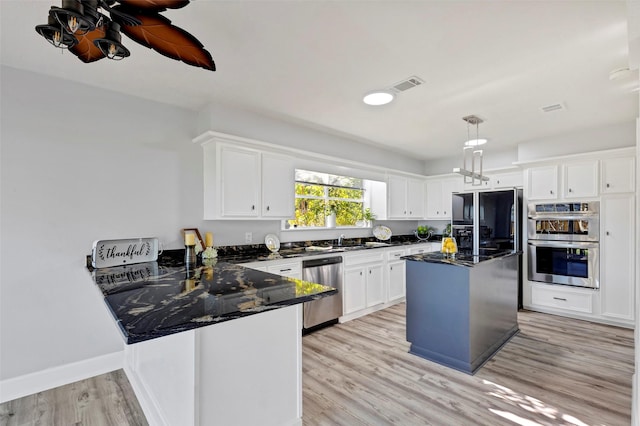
(449, 247)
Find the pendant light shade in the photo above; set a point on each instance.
(73, 16)
(111, 44)
(55, 34)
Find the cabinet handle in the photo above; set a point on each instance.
(608, 186)
(551, 192)
(560, 298)
(437, 211)
(369, 271)
(253, 207)
(405, 212)
(285, 270)
(410, 212)
(607, 232)
(360, 273)
(498, 182)
(445, 212)
(391, 268)
(570, 190)
(267, 208)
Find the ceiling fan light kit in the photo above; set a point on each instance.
(91, 35)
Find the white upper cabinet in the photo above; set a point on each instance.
(415, 198)
(244, 183)
(278, 193)
(543, 183)
(406, 198)
(581, 179)
(239, 182)
(507, 180)
(439, 196)
(618, 175)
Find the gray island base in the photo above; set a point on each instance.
(461, 312)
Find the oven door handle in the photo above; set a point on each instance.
(562, 244)
(565, 216)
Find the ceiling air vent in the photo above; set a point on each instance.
(407, 84)
(553, 107)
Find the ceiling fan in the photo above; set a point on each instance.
(83, 28)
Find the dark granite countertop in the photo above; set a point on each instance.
(155, 299)
(461, 259)
(259, 252)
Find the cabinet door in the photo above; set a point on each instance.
(449, 186)
(355, 290)
(434, 199)
(397, 279)
(239, 182)
(375, 285)
(543, 183)
(415, 198)
(617, 275)
(397, 197)
(618, 175)
(507, 180)
(278, 186)
(581, 180)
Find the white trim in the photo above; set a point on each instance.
(31, 383)
(617, 152)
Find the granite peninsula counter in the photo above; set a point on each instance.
(217, 344)
(461, 311)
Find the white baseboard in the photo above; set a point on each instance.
(29, 384)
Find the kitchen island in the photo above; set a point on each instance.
(461, 311)
(216, 344)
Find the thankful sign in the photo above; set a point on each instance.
(121, 252)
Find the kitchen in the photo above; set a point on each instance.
(46, 170)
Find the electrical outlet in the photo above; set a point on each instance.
(248, 237)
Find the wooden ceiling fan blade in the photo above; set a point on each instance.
(154, 5)
(156, 32)
(85, 50)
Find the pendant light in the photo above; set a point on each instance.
(471, 156)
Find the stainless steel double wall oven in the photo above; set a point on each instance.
(563, 243)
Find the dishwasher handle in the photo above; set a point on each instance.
(321, 262)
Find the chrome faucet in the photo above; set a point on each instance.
(340, 238)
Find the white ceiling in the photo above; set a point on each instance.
(311, 62)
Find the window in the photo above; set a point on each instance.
(320, 194)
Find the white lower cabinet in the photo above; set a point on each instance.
(355, 290)
(555, 297)
(364, 285)
(396, 275)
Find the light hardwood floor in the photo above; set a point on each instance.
(556, 371)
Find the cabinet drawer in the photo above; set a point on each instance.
(291, 269)
(395, 254)
(360, 259)
(571, 300)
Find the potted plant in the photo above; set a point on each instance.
(368, 217)
(330, 215)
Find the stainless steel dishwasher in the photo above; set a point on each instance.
(327, 310)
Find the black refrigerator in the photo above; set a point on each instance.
(486, 223)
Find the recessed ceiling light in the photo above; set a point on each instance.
(475, 142)
(377, 98)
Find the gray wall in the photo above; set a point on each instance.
(80, 164)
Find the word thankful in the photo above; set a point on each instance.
(132, 250)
